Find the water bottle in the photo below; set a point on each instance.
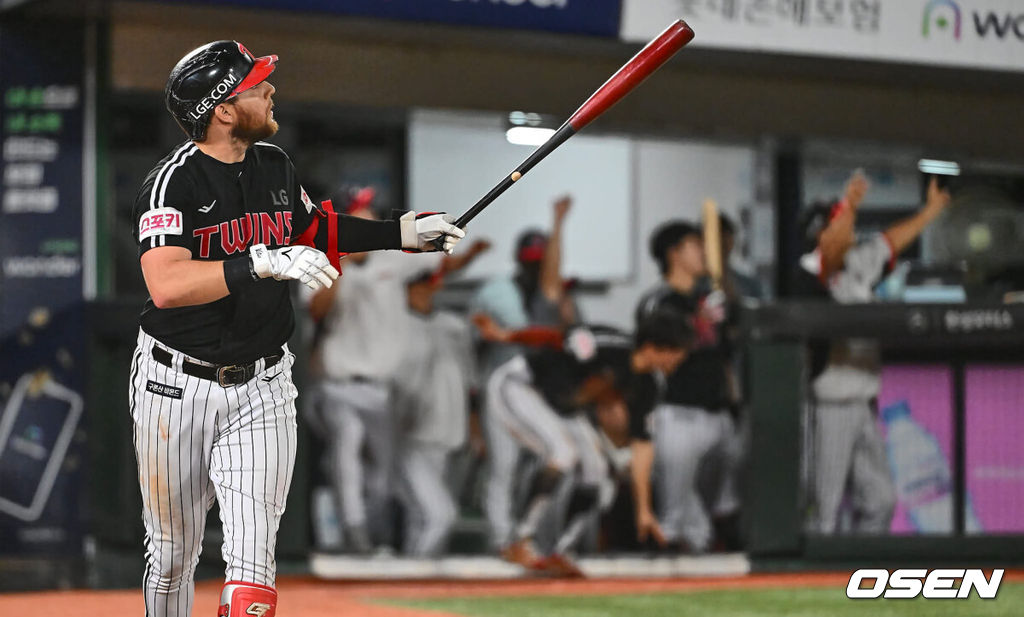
(921, 473)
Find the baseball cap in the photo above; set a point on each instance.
(359, 198)
(531, 246)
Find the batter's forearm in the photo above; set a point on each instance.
(175, 283)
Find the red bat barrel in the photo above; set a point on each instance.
(652, 56)
(648, 60)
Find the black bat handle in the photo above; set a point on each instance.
(564, 132)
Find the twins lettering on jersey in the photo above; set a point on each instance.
(272, 229)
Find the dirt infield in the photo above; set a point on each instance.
(307, 597)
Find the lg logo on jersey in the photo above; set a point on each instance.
(937, 584)
(279, 198)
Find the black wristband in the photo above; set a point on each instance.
(238, 274)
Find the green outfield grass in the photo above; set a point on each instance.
(797, 602)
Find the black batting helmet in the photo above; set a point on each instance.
(206, 77)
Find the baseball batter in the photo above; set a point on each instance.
(211, 393)
(848, 457)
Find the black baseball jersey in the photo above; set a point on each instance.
(217, 210)
(700, 380)
(588, 353)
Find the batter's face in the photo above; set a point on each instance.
(254, 110)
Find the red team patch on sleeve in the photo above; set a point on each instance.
(306, 201)
(160, 222)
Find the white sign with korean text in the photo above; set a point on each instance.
(969, 33)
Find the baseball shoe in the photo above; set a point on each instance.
(523, 553)
(358, 540)
(562, 566)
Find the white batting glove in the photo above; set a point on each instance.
(420, 230)
(301, 263)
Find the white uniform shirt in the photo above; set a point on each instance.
(366, 329)
(863, 269)
(434, 377)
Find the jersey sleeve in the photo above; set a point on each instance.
(640, 423)
(644, 394)
(163, 211)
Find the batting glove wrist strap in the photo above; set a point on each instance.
(420, 230)
(260, 256)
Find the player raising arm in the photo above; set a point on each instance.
(849, 464)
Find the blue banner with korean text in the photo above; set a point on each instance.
(42, 122)
(596, 17)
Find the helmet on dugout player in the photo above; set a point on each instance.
(208, 76)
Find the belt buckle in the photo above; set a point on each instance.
(231, 375)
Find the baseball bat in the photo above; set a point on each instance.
(713, 242)
(640, 66)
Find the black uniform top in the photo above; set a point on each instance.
(700, 380)
(597, 359)
(217, 210)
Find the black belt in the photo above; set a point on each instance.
(226, 374)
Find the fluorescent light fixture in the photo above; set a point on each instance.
(528, 135)
(524, 118)
(941, 168)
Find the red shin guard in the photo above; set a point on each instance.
(239, 599)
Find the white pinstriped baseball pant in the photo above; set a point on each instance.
(195, 442)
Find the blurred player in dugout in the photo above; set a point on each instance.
(693, 423)
(432, 393)
(536, 294)
(847, 462)
(363, 347)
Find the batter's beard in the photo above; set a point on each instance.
(251, 130)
